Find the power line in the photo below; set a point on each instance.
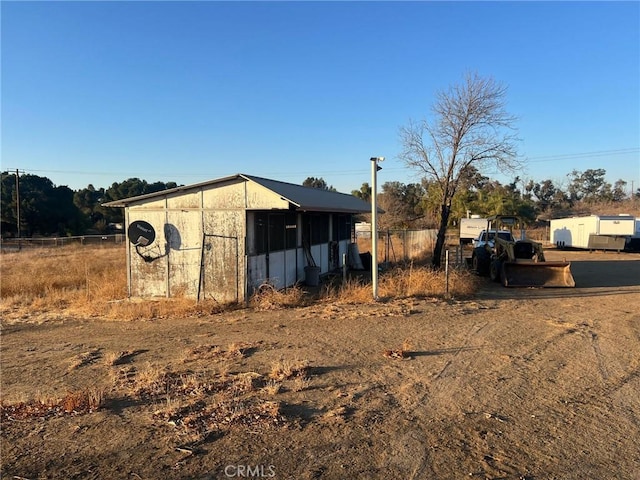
(364, 170)
(574, 156)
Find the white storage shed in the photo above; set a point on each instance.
(601, 232)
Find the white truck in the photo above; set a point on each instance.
(593, 232)
(470, 228)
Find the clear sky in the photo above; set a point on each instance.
(98, 92)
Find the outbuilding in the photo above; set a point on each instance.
(223, 238)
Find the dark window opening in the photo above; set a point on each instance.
(316, 228)
(275, 231)
(341, 227)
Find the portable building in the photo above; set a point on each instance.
(223, 238)
(594, 232)
(471, 227)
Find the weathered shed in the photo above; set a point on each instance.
(223, 238)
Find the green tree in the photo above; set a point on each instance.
(44, 208)
(88, 200)
(320, 183)
(131, 187)
(470, 127)
(619, 192)
(364, 193)
(589, 186)
(8, 220)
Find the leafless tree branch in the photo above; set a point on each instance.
(470, 126)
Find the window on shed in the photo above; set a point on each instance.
(316, 228)
(261, 228)
(274, 231)
(342, 227)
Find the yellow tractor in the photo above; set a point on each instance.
(516, 263)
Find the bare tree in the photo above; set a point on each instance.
(470, 127)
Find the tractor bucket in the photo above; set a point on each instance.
(537, 274)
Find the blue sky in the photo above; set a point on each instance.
(98, 92)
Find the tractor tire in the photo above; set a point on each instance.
(494, 270)
(479, 264)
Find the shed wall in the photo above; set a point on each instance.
(199, 247)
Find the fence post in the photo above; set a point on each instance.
(344, 268)
(446, 273)
(405, 250)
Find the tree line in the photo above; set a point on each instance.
(416, 205)
(48, 210)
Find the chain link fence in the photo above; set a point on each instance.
(16, 244)
(398, 245)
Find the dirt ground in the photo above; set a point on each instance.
(511, 384)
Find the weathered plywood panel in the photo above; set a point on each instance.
(224, 196)
(221, 270)
(154, 204)
(183, 236)
(148, 265)
(229, 223)
(261, 198)
(224, 267)
(190, 199)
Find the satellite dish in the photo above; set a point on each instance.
(141, 233)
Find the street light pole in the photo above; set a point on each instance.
(374, 223)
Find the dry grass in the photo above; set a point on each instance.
(403, 282)
(91, 282)
(267, 297)
(82, 281)
(75, 402)
(286, 369)
(426, 282)
(272, 387)
(193, 403)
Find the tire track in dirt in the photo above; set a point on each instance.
(595, 344)
(473, 331)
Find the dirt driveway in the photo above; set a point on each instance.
(512, 384)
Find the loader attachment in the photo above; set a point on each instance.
(537, 274)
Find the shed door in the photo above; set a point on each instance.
(219, 272)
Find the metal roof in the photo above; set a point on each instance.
(302, 198)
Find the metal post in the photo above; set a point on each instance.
(446, 273)
(374, 224)
(344, 268)
(18, 204)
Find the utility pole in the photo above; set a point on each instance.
(374, 224)
(18, 200)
